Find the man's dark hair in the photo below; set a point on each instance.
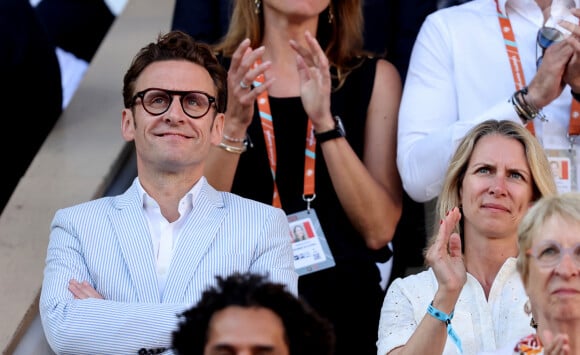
(306, 332)
(177, 45)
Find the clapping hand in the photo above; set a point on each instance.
(558, 344)
(560, 66)
(446, 258)
(315, 82)
(241, 75)
(572, 73)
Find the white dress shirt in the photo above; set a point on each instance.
(459, 75)
(481, 324)
(164, 234)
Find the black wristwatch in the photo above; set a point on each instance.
(337, 132)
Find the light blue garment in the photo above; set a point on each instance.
(107, 243)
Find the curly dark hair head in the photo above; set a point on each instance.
(177, 45)
(306, 332)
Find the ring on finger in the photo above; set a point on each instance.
(244, 85)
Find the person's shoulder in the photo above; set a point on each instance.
(453, 26)
(129, 196)
(463, 12)
(417, 288)
(387, 71)
(85, 213)
(362, 67)
(364, 59)
(371, 62)
(88, 206)
(418, 279)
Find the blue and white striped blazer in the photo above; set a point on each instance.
(107, 243)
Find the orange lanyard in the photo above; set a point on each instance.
(269, 138)
(518, 72)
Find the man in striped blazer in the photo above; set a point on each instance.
(120, 269)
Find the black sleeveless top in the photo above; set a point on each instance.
(349, 293)
(254, 180)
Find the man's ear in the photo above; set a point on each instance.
(127, 125)
(217, 128)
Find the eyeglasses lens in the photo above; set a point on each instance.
(195, 104)
(550, 254)
(548, 36)
(156, 101)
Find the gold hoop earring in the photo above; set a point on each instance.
(258, 6)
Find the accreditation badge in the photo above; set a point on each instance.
(311, 250)
(563, 166)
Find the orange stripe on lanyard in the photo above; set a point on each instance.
(511, 46)
(269, 138)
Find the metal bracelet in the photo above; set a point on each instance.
(234, 140)
(232, 149)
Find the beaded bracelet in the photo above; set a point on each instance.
(446, 318)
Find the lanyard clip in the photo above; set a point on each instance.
(308, 199)
(572, 140)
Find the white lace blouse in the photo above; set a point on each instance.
(482, 325)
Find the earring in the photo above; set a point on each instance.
(330, 13)
(528, 307)
(533, 323)
(258, 4)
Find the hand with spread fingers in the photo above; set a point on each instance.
(241, 92)
(315, 82)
